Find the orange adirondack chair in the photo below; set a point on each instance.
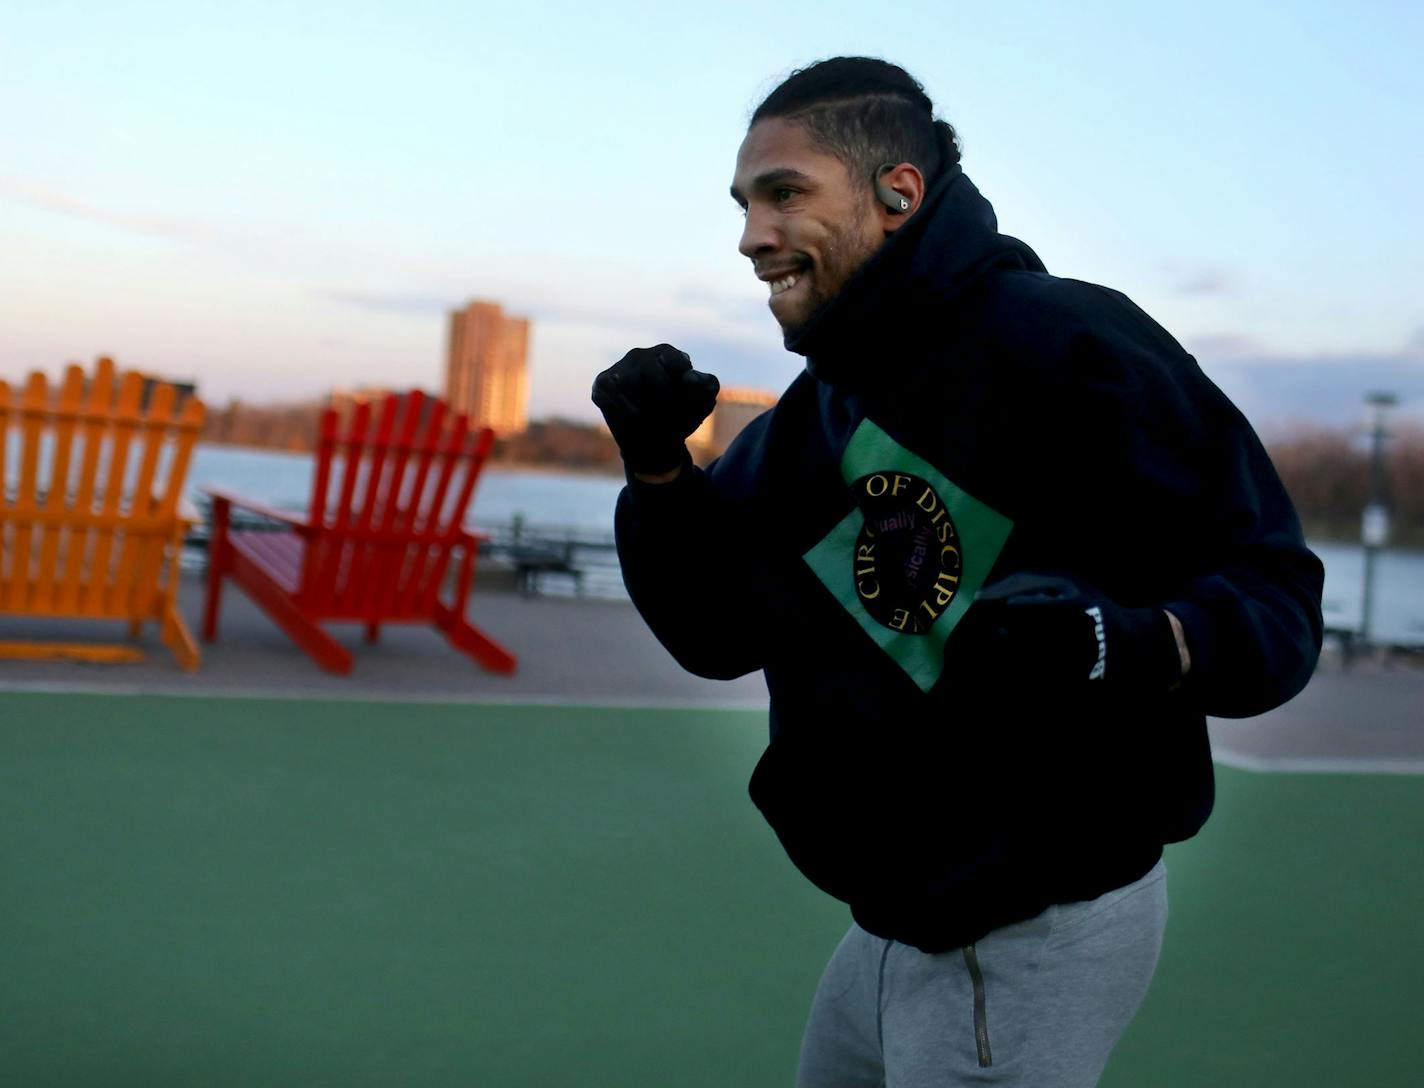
(385, 522)
(86, 530)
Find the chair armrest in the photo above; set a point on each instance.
(297, 521)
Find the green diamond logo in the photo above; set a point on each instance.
(907, 561)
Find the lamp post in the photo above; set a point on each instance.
(1374, 525)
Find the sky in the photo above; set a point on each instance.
(277, 199)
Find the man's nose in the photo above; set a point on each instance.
(759, 234)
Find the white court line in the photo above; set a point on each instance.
(1242, 761)
(391, 696)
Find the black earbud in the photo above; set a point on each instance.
(897, 204)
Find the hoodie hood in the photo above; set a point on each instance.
(949, 243)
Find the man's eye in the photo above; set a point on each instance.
(781, 196)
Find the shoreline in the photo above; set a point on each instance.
(529, 467)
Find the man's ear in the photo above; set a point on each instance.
(899, 192)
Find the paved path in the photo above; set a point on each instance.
(1369, 718)
(585, 651)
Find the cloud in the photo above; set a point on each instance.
(736, 308)
(565, 358)
(573, 340)
(1201, 280)
(1275, 388)
(412, 305)
(666, 313)
(767, 366)
(677, 309)
(1221, 346)
(1414, 349)
(63, 204)
(1244, 348)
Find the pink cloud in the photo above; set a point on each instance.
(63, 204)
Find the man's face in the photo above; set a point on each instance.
(810, 225)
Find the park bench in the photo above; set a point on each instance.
(533, 561)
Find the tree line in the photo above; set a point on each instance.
(1327, 472)
(1328, 475)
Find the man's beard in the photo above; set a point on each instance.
(817, 305)
(841, 258)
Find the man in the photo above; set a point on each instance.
(998, 551)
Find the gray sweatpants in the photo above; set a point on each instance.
(1035, 1004)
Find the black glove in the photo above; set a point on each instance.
(1049, 629)
(652, 400)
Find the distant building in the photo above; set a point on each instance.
(736, 407)
(181, 391)
(486, 370)
(345, 400)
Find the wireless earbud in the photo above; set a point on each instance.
(897, 204)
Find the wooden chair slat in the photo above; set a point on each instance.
(434, 567)
(150, 432)
(56, 500)
(404, 586)
(473, 463)
(280, 554)
(383, 558)
(6, 530)
(164, 430)
(31, 425)
(121, 428)
(152, 525)
(358, 563)
(321, 594)
(325, 449)
(95, 423)
(183, 438)
(328, 437)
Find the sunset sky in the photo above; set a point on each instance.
(274, 199)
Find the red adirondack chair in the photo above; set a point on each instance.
(385, 523)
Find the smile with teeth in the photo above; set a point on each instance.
(784, 284)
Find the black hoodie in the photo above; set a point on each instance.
(964, 415)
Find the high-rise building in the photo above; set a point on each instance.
(486, 370)
(736, 407)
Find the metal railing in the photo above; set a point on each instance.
(545, 558)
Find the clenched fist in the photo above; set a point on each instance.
(1056, 631)
(652, 400)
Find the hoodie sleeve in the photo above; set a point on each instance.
(1197, 508)
(680, 558)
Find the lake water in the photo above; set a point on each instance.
(561, 499)
(1398, 595)
(556, 501)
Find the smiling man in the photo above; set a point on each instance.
(812, 226)
(998, 552)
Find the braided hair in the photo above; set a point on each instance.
(866, 112)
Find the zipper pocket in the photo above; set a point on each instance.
(981, 1015)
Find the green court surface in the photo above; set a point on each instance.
(270, 892)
